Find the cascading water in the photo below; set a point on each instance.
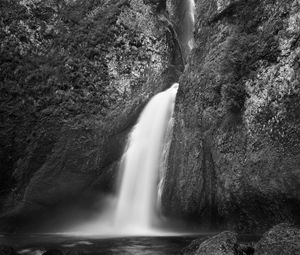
(138, 191)
(134, 210)
(185, 25)
(191, 17)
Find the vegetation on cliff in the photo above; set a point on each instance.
(236, 136)
(69, 71)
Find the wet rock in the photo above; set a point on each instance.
(282, 239)
(224, 243)
(192, 248)
(247, 249)
(77, 251)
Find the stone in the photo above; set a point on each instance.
(283, 239)
(224, 243)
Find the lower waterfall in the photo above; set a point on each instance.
(139, 186)
(134, 210)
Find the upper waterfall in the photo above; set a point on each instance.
(191, 10)
(185, 22)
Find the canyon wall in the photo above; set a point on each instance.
(235, 156)
(75, 76)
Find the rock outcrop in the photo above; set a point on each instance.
(281, 239)
(224, 243)
(235, 156)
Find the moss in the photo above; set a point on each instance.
(70, 63)
(252, 41)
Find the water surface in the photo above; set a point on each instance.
(37, 244)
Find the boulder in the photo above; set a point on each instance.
(283, 239)
(224, 243)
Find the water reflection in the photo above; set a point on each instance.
(37, 244)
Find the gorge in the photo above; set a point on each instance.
(78, 76)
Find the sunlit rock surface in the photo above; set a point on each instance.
(235, 157)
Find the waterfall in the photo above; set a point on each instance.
(134, 210)
(141, 175)
(136, 203)
(185, 25)
(191, 10)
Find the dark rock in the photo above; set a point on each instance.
(282, 239)
(7, 250)
(247, 249)
(224, 243)
(192, 248)
(77, 251)
(53, 252)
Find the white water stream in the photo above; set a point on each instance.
(138, 191)
(134, 210)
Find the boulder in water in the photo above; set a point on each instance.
(281, 239)
(224, 243)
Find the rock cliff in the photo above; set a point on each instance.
(75, 76)
(235, 156)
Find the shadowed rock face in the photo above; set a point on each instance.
(234, 159)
